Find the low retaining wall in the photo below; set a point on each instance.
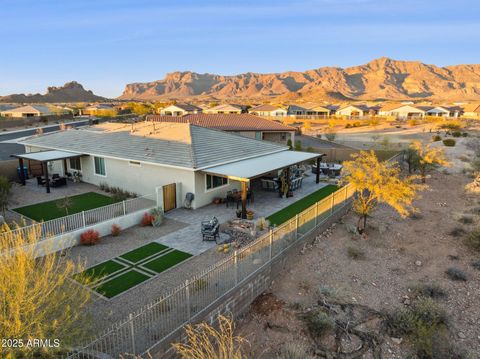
(237, 302)
(70, 239)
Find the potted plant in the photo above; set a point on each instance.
(250, 214)
(239, 213)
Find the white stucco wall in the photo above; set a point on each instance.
(203, 196)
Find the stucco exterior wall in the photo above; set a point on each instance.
(204, 196)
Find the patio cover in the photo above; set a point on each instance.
(254, 167)
(45, 156)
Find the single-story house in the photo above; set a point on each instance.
(354, 111)
(225, 108)
(442, 111)
(242, 124)
(268, 110)
(471, 110)
(403, 111)
(180, 109)
(179, 158)
(99, 109)
(28, 111)
(308, 109)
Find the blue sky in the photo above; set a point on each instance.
(105, 44)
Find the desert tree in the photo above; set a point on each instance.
(378, 182)
(64, 204)
(5, 193)
(206, 342)
(38, 298)
(428, 157)
(411, 157)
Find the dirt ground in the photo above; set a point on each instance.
(398, 254)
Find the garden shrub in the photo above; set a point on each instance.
(465, 218)
(157, 217)
(429, 290)
(449, 142)
(457, 232)
(147, 220)
(115, 230)
(473, 239)
(456, 134)
(476, 264)
(436, 138)
(89, 237)
(456, 274)
(294, 350)
(355, 253)
(464, 134)
(319, 323)
(348, 125)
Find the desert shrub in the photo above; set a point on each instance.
(457, 232)
(327, 291)
(157, 217)
(348, 125)
(464, 134)
(436, 138)
(356, 124)
(294, 350)
(415, 215)
(147, 220)
(476, 264)
(456, 134)
(331, 136)
(355, 253)
(449, 142)
(429, 290)
(465, 218)
(115, 230)
(120, 195)
(319, 323)
(89, 237)
(262, 224)
(456, 274)
(103, 186)
(413, 122)
(473, 239)
(451, 125)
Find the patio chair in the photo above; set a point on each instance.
(40, 181)
(210, 229)
(55, 176)
(230, 198)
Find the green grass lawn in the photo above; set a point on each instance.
(143, 252)
(99, 271)
(295, 208)
(168, 260)
(117, 285)
(48, 210)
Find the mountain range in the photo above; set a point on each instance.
(70, 92)
(380, 79)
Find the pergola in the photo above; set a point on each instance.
(251, 168)
(44, 157)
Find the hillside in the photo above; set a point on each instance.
(70, 92)
(382, 78)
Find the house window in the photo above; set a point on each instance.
(100, 166)
(216, 181)
(75, 163)
(258, 136)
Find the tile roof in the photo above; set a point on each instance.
(31, 109)
(186, 107)
(225, 122)
(225, 107)
(171, 144)
(265, 108)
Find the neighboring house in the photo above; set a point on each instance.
(225, 108)
(334, 152)
(144, 156)
(268, 110)
(354, 111)
(308, 109)
(5, 107)
(242, 124)
(180, 109)
(99, 109)
(442, 111)
(403, 112)
(28, 111)
(471, 110)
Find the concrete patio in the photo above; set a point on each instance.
(189, 239)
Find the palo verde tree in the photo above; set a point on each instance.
(427, 157)
(38, 298)
(378, 182)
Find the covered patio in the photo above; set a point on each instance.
(248, 170)
(44, 158)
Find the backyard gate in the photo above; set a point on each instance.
(169, 197)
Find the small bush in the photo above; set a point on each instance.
(115, 230)
(90, 237)
(415, 215)
(436, 138)
(147, 220)
(476, 265)
(427, 290)
(456, 274)
(456, 134)
(294, 351)
(355, 253)
(473, 239)
(319, 323)
(449, 142)
(356, 124)
(465, 219)
(464, 134)
(348, 125)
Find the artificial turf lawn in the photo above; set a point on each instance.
(143, 252)
(99, 271)
(48, 210)
(121, 283)
(166, 261)
(302, 204)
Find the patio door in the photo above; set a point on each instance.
(169, 197)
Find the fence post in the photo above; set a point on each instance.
(235, 264)
(187, 297)
(83, 219)
(132, 332)
(296, 226)
(124, 208)
(271, 244)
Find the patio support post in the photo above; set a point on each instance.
(244, 200)
(317, 178)
(45, 168)
(21, 173)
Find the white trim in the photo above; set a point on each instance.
(215, 188)
(104, 165)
